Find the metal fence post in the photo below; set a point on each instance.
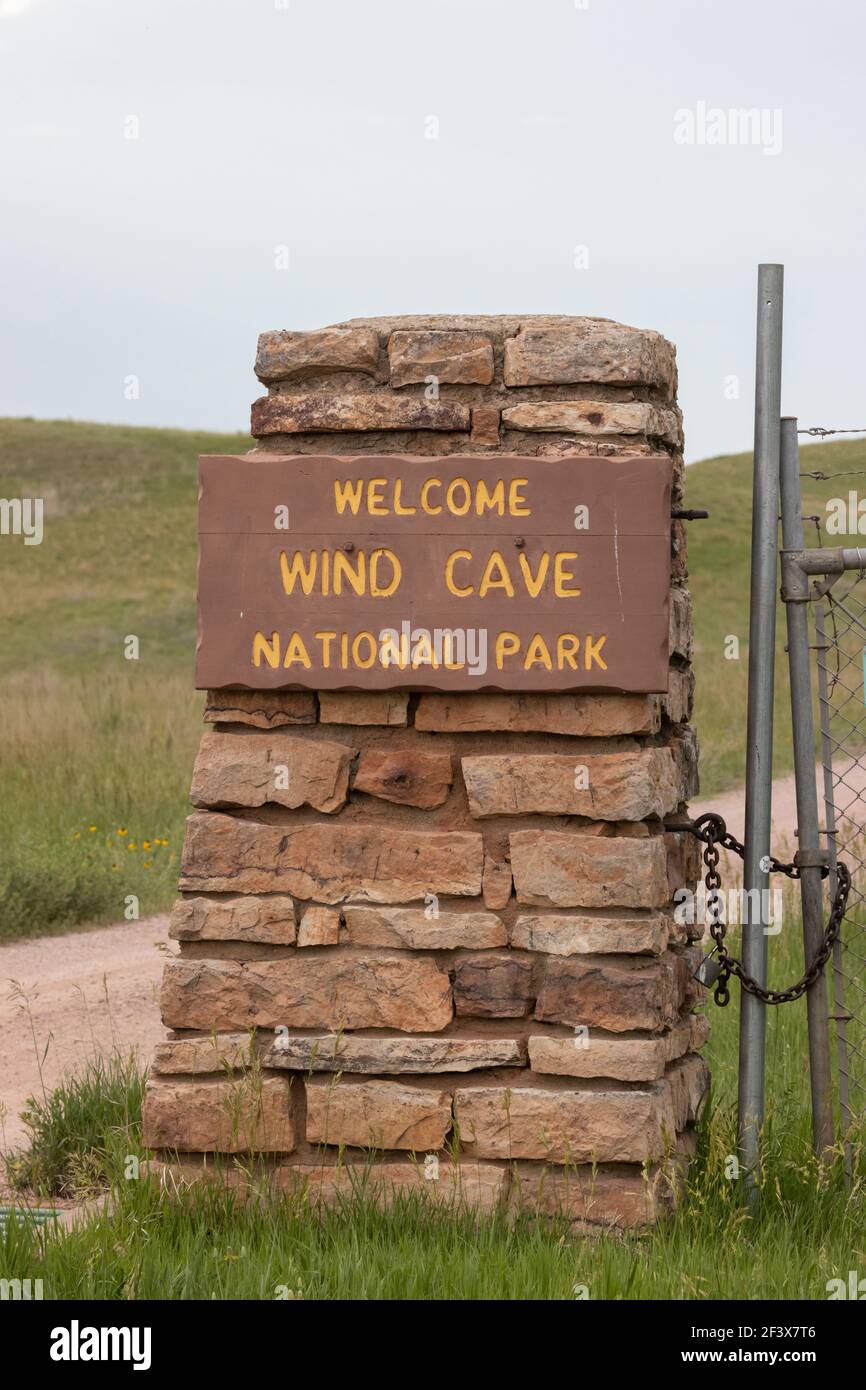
(759, 728)
(809, 854)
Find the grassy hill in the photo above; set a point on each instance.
(98, 749)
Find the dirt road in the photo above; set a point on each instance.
(76, 995)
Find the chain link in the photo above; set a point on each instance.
(711, 830)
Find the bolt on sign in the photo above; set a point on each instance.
(457, 573)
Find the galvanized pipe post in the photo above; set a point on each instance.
(759, 728)
(809, 853)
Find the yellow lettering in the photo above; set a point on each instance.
(377, 590)
(430, 483)
(296, 652)
(592, 652)
(449, 573)
(537, 654)
(326, 639)
(507, 644)
(561, 575)
(516, 500)
(490, 500)
(422, 651)
(566, 650)
(298, 569)
(495, 565)
(356, 650)
(348, 493)
(357, 577)
(269, 650)
(534, 582)
(375, 503)
(399, 509)
(450, 499)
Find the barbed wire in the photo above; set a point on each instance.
(820, 430)
(822, 433)
(826, 477)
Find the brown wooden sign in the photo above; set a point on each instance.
(455, 573)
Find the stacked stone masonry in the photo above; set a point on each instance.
(425, 954)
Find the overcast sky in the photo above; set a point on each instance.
(484, 156)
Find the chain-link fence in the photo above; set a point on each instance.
(839, 618)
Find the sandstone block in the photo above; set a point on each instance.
(225, 1116)
(341, 989)
(253, 769)
(450, 356)
(617, 1198)
(485, 425)
(496, 883)
(603, 786)
(591, 350)
(699, 1031)
(328, 863)
(352, 1052)
(677, 704)
(679, 552)
(364, 707)
(319, 926)
(684, 746)
(466, 1184)
(684, 869)
(376, 1114)
(405, 776)
(557, 869)
(594, 418)
(592, 716)
(564, 1126)
(688, 1081)
(616, 1059)
(681, 623)
(558, 934)
(218, 1052)
(410, 928)
(262, 709)
(318, 412)
(492, 986)
(269, 919)
(618, 997)
(284, 356)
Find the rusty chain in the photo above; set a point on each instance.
(711, 830)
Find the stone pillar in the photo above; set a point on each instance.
(431, 943)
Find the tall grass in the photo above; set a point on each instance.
(83, 1131)
(94, 795)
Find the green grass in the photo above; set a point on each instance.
(81, 1132)
(90, 738)
(719, 552)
